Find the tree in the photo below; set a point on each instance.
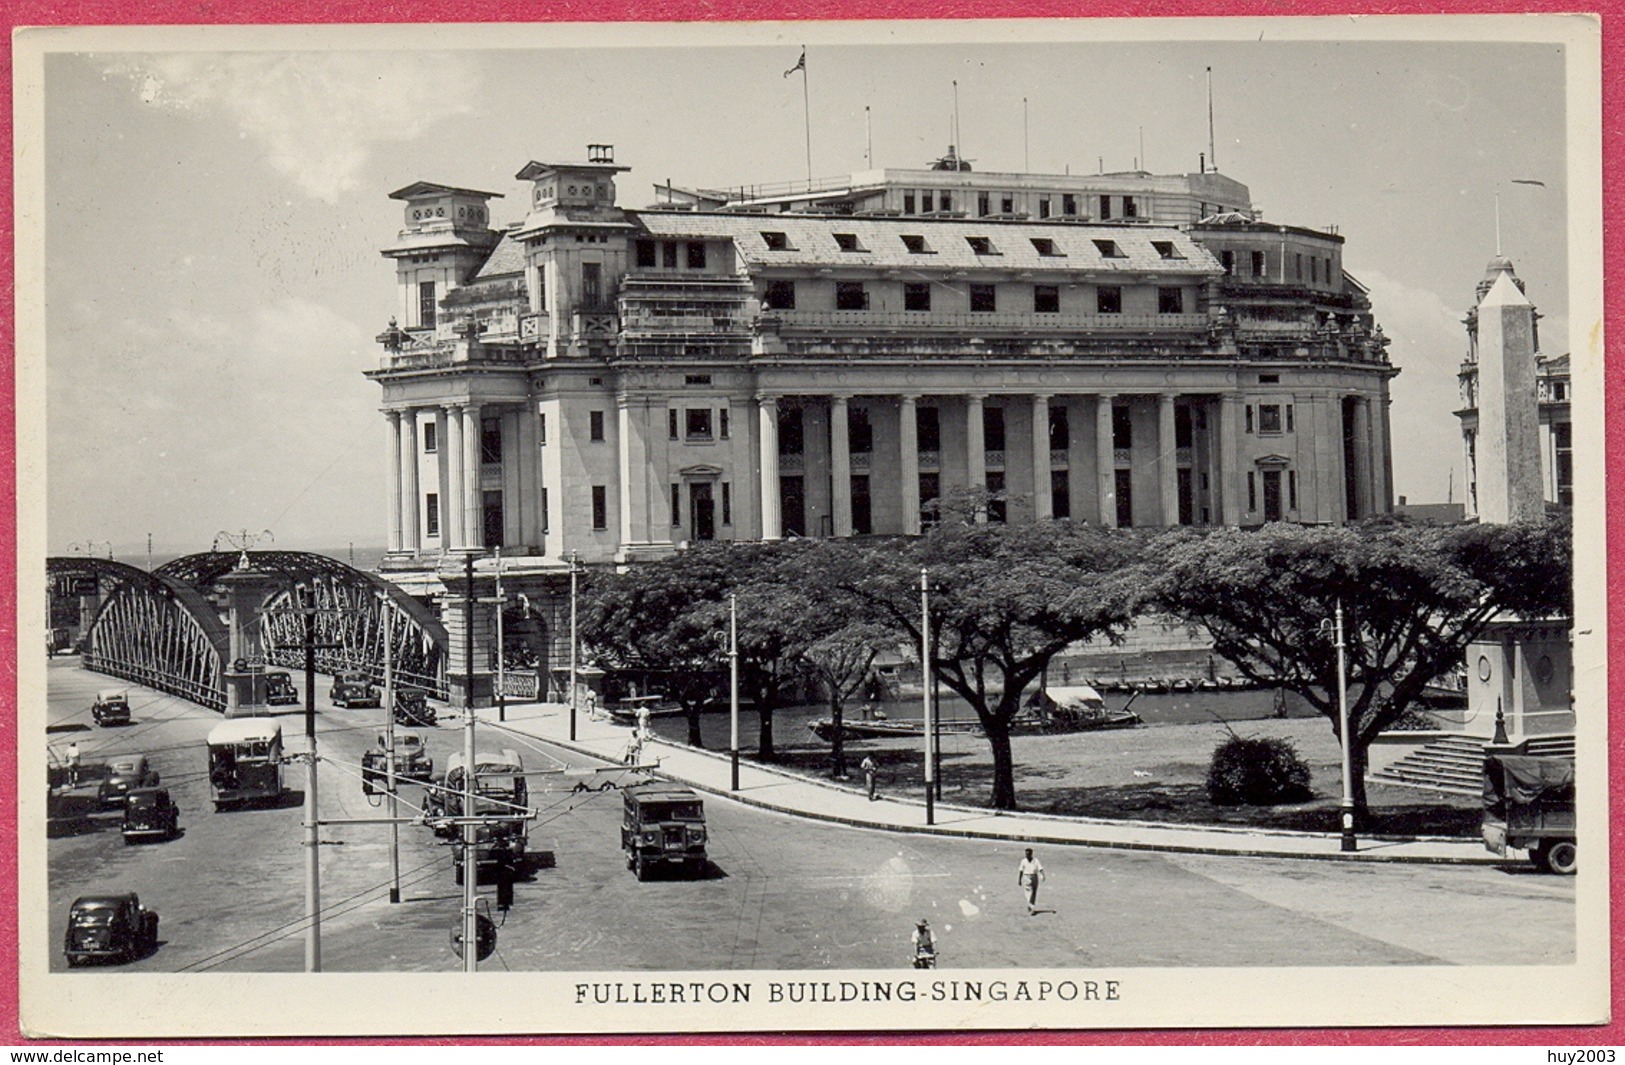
(1005, 599)
(1413, 597)
(841, 658)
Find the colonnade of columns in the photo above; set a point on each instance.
(460, 516)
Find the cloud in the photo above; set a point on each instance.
(316, 115)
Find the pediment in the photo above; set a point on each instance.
(701, 469)
(1273, 462)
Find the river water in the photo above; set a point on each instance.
(1174, 708)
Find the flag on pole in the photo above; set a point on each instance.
(801, 64)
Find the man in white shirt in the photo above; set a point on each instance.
(1028, 874)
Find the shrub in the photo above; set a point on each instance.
(1254, 771)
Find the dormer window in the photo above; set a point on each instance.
(915, 244)
(1046, 247)
(847, 242)
(1166, 249)
(981, 245)
(1109, 249)
(776, 241)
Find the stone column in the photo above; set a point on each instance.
(473, 509)
(526, 499)
(451, 508)
(1105, 460)
(767, 412)
(637, 503)
(1168, 467)
(975, 450)
(1230, 508)
(1362, 456)
(1385, 450)
(410, 540)
(908, 436)
(1043, 503)
(392, 420)
(840, 466)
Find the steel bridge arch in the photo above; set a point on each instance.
(153, 629)
(350, 615)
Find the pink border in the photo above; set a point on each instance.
(160, 12)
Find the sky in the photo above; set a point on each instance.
(213, 285)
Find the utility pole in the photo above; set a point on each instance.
(575, 642)
(471, 868)
(733, 688)
(389, 749)
(925, 692)
(149, 552)
(502, 695)
(313, 843)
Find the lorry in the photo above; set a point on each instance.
(1529, 805)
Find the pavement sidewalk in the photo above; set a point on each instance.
(800, 796)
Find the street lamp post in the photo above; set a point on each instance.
(733, 689)
(469, 840)
(502, 695)
(1347, 806)
(575, 639)
(389, 749)
(925, 692)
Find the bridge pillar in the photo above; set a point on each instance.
(245, 660)
(465, 686)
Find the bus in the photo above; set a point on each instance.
(245, 761)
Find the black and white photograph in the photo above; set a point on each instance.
(811, 527)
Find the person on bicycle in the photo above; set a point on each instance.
(925, 946)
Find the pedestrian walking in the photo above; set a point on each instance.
(73, 762)
(1029, 873)
(869, 769)
(643, 722)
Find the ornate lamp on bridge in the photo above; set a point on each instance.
(246, 590)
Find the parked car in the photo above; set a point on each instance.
(663, 825)
(124, 772)
(412, 762)
(354, 689)
(115, 927)
(412, 708)
(279, 690)
(1529, 804)
(112, 707)
(150, 812)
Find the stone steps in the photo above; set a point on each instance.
(1452, 764)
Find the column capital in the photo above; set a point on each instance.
(393, 414)
(1107, 395)
(1043, 397)
(909, 398)
(765, 398)
(840, 397)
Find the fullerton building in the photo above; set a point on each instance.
(847, 357)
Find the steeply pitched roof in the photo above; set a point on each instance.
(506, 259)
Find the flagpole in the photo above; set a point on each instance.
(806, 111)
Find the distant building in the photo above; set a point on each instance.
(835, 358)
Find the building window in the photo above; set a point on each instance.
(541, 429)
(791, 436)
(780, 296)
(431, 443)
(860, 433)
(426, 304)
(1109, 250)
(1166, 249)
(671, 423)
(1298, 266)
(1227, 259)
(1043, 206)
(1269, 417)
(697, 379)
(996, 510)
(930, 492)
(727, 504)
(1249, 410)
(945, 202)
(1046, 247)
(1123, 480)
(676, 504)
(851, 296)
(862, 522)
(926, 205)
(546, 525)
(908, 203)
(1563, 448)
(1069, 204)
(1314, 270)
(928, 431)
(1122, 428)
(1109, 299)
(993, 428)
(431, 514)
(1252, 491)
(1328, 271)
(668, 254)
(1105, 208)
(983, 298)
(490, 441)
(847, 242)
(1183, 428)
(1258, 264)
(1060, 430)
(1269, 378)
(696, 255)
(595, 425)
(775, 241)
(1007, 204)
(722, 423)
(592, 287)
(698, 425)
(1046, 299)
(646, 254)
(1060, 494)
(1292, 489)
(915, 244)
(982, 207)
(1170, 300)
(1289, 418)
(981, 245)
(1131, 209)
(916, 296)
(600, 507)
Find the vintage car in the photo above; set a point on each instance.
(412, 708)
(112, 707)
(354, 689)
(124, 772)
(149, 813)
(1529, 804)
(115, 927)
(663, 825)
(279, 690)
(412, 762)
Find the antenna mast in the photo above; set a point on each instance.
(959, 149)
(1212, 152)
(868, 140)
